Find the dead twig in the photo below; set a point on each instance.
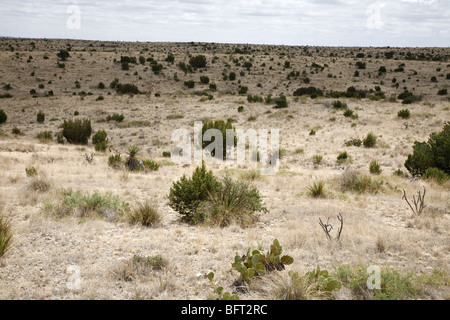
(327, 227)
(419, 203)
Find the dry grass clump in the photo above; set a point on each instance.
(139, 266)
(5, 234)
(84, 205)
(317, 189)
(145, 214)
(352, 180)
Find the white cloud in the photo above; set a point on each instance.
(297, 22)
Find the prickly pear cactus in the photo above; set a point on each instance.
(256, 263)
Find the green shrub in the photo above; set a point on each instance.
(187, 193)
(40, 117)
(311, 91)
(434, 153)
(31, 172)
(77, 131)
(166, 154)
(442, 92)
(99, 136)
(243, 90)
(16, 131)
(232, 202)
(339, 105)
(198, 61)
(212, 87)
(125, 66)
(317, 159)
(3, 116)
(45, 136)
(240, 109)
(222, 126)
(374, 167)
(63, 54)
(404, 113)
(101, 85)
(101, 146)
(190, 84)
(232, 76)
(150, 165)
(115, 117)
(361, 65)
(342, 156)
(204, 79)
(281, 102)
(127, 88)
(353, 142)
(436, 174)
(370, 140)
(348, 113)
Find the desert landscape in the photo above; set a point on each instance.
(73, 214)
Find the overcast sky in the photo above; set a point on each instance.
(400, 23)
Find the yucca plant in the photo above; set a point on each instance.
(132, 163)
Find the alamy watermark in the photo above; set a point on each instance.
(73, 22)
(74, 280)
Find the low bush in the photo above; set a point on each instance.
(404, 114)
(198, 61)
(342, 156)
(77, 131)
(433, 153)
(353, 142)
(127, 88)
(190, 84)
(339, 105)
(370, 140)
(115, 117)
(187, 193)
(40, 117)
(436, 174)
(3, 116)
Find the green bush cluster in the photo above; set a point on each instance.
(100, 141)
(222, 126)
(77, 131)
(435, 153)
(204, 199)
(3, 116)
